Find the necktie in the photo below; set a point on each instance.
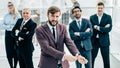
(22, 25)
(53, 32)
(79, 24)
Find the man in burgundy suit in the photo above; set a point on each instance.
(51, 37)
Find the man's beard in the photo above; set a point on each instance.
(77, 16)
(53, 21)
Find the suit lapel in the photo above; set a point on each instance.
(20, 22)
(102, 19)
(47, 30)
(76, 26)
(96, 19)
(82, 25)
(58, 32)
(27, 23)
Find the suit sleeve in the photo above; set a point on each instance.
(85, 35)
(107, 29)
(45, 47)
(71, 31)
(14, 28)
(30, 32)
(69, 43)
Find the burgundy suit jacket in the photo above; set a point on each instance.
(52, 51)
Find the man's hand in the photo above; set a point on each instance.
(16, 32)
(82, 60)
(87, 30)
(108, 25)
(76, 33)
(96, 27)
(70, 58)
(65, 64)
(20, 39)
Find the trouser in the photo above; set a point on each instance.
(104, 53)
(87, 55)
(25, 60)
(10, 49)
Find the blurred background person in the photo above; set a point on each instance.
(8, 23)
(102, 25)
(80, 30)
(23, 33)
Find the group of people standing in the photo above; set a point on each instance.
(18, 37)
(86, 37)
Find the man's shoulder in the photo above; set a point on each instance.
(105, 14)
(94, 15)
(85, 19)
(72, 22)
(61, 25)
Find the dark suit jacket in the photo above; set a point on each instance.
(25, 46)
(52, 51)
(103, 32)
(84, 36)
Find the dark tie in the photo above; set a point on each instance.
(79, 24)
(22, 24)
(53, 32)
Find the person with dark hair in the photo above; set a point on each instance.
(75, 3)
(23, 32)
(8, 23)
(80, 30)
(102, 25)
(52, 36)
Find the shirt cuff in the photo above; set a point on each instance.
(63, 57)
(98, 28)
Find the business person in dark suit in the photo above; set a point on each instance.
(23, 32)
(80, 31)
(102, 25)
(51, 37)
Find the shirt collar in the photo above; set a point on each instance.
(26, 20)
(99, 16)
(80, 19)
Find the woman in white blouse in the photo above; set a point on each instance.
(8, 23)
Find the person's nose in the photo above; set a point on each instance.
(55, 18)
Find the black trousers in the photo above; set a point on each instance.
(10, 49)
(25, 60)
(104, 53)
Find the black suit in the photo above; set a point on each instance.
(103, 40)
(25, 46)
(84, 38)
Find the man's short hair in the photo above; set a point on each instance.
(75, 8)
(26, 9)
(53, 10)
(100, 3)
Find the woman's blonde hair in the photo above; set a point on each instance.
(15, 11)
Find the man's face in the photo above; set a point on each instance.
(77, 13)
(53, 18)
(26, 14)
(100, 9)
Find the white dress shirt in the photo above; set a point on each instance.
(51, 29)
(99, 20)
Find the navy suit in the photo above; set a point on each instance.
(103, 40)
(84, 38)
(24, 47)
